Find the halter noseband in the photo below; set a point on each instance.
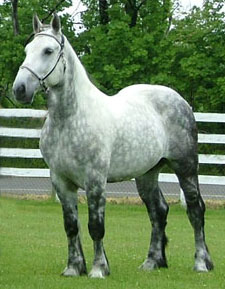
(42, 79)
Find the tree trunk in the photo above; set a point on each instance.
(132, 8)
(104, 17)
(16, 28)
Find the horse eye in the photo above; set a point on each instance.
(48, 51)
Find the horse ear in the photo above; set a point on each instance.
(36, 24)
(56, 23)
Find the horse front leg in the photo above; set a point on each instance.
(67, 194)
(96, 209)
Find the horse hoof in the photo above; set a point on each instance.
(203, 263)
(71, 272)
(150, 265)
(98, 272)
(200, 268)
(203, 266)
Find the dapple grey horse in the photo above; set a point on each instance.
(90, 139)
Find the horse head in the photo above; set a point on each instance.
(44, 62)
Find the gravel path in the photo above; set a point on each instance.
(42, 186)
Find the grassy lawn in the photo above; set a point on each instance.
(33, 248)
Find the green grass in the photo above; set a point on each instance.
(34, 248)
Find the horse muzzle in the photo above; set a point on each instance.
(24, 89)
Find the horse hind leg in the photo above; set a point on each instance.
(150, 193)
(187, 173)
(196, 211)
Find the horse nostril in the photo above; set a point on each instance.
(20, 91)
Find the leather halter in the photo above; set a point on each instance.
(61, 54)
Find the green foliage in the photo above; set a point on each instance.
(188, 57)
(194, 57)
(116, 54)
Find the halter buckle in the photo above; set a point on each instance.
(43, 86)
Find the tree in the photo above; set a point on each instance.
(192, 57)
(142, 42)
(120, 52)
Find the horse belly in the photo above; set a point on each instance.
(122, 170)
(136, 151)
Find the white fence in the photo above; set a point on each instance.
(44, 173)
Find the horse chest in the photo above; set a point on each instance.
(70, 150)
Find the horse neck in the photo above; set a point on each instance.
(76, 90)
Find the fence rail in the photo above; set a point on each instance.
(35, 153)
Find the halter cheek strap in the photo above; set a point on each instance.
(61, 54)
